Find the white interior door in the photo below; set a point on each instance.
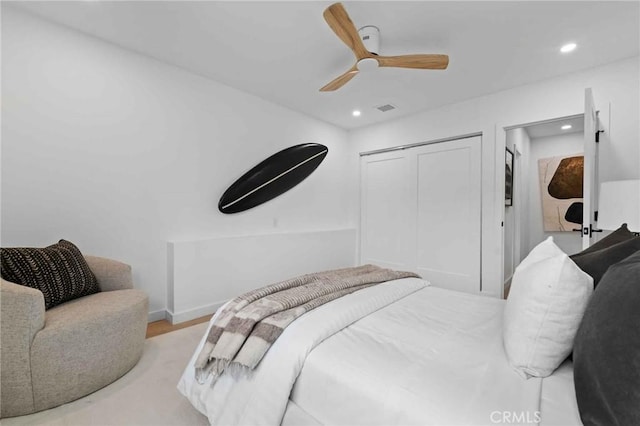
(590, 129)
(386, 210)
(420, 211)
(448, 214)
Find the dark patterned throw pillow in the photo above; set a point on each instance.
(59, 271)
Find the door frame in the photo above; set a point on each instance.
(501, 144)
(413, 145)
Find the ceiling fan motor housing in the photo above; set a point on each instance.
(370, 37)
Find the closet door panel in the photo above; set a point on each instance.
(448, 214)
(387, 207)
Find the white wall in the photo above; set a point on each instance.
(616, 88)
(516, 236)
(522, 205)
(551, 146)
(121, 153)
(196, 289)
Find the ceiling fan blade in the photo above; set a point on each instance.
(340, 81)
(428, 62)
(339, 21)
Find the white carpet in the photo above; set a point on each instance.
(146, 395)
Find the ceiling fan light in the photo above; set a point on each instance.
(368, 64)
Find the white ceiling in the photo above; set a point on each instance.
(284, 51)
(554, 128)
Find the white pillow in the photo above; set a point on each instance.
(546, 302)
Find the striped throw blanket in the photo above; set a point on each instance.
(248, 325)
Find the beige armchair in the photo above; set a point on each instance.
(52, 357)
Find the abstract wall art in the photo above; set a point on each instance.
(561, 189)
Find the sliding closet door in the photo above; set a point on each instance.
(448, 214)
(387, 207)
(420, 211)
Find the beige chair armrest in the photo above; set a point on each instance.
(21, 318)
(111, 274)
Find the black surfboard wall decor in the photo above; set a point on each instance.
(272, 177)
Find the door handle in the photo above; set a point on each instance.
(587, 231)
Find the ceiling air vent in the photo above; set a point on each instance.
(385, 108)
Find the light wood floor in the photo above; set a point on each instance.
(161, 327)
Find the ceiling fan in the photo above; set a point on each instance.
(365, 43)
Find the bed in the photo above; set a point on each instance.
(401, 352)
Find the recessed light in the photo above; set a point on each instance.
(569, 47)
(566, 127)
(356, 113)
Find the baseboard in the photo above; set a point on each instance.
(157, 315)
(178, 317)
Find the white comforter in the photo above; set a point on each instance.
(260, 398)
(446, 368)
(397, 353)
